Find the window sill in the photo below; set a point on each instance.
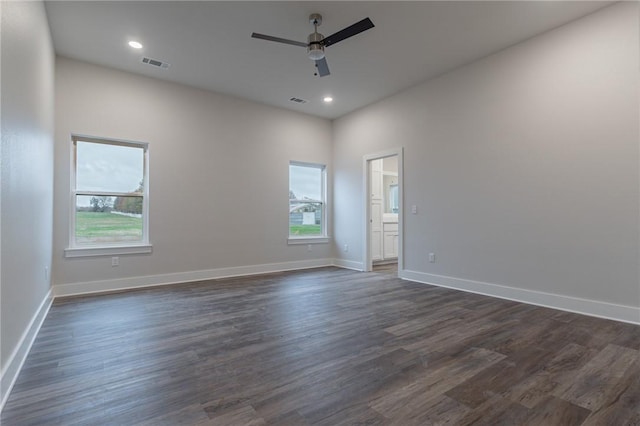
(307, 240)
(107, 251)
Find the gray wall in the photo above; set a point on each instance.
(219, 167)
(523, 165)
(27, 169)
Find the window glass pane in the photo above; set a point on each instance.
(101, 220)
(108, 168)
(305, 182)
(306, 200)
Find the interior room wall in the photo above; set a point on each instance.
(218, 175)
(27, 75)
(523, 167)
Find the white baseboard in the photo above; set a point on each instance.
(19, 355)
(593, 308)
(89, 287)
(348, 264)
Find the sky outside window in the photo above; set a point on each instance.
(108, 168)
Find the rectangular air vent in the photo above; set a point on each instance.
(155, 63)
(298, 100)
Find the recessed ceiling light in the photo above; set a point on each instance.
(135, 44)
(328, 99)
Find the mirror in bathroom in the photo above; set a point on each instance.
(390, 192)
(393, 199)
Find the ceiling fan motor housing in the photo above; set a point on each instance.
(315, 49)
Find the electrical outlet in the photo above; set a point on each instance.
(346, 247)
(432, 257)
(115, 261)
(309, 248)
(46, 274)
(414, 209)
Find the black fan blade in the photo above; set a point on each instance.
(278, 39)
(350, 31)
(323, 67)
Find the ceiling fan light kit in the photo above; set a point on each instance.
(316, 42)
(315, 50)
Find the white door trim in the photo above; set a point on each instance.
(366, 172)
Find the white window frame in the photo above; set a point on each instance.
(311, 239)
(120, 247)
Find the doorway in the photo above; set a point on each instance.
(383, 211)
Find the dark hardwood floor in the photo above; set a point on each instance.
(323, 347)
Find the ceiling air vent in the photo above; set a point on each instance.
(155, 63)
(298, 100)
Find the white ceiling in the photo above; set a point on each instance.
(208, 44)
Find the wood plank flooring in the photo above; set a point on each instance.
(323, 347)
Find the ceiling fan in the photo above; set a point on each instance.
(316, 42)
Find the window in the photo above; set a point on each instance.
(109, 202)
(307, 206)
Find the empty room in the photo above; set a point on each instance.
(320, 213)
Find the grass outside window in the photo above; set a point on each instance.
(107, 227)
(306, 230)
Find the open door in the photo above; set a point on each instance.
(375, 203)
(382, 241)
